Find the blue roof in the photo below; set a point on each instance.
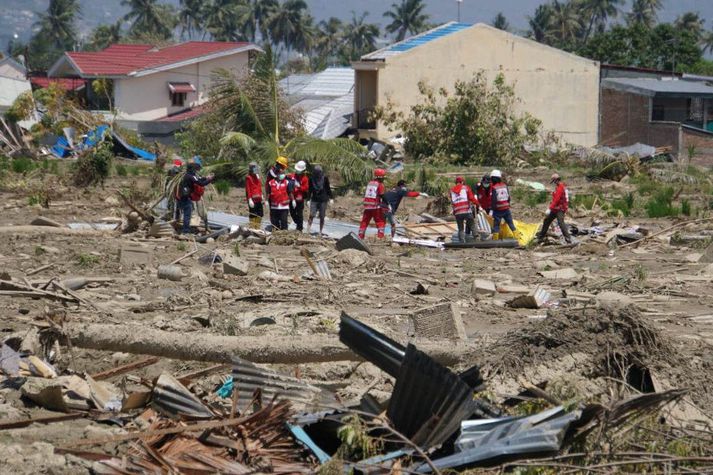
(418, 40)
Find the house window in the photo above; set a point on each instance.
(178, 99)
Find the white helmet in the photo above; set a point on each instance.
(496, 174)
(301, 166)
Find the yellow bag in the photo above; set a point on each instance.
(524, 234)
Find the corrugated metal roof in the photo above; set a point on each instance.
(173, 399)
(333, 82)
(331, 119)
(668, 87)
(429, 400)
(294, 83)
(416, 41)
(372, 345)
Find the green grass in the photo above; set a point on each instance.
(22, 165)
(121, 170)
(686, 209)
(644, 184)
(87, 260)
(222, 187)
(660, 205)
(623, 205)
(585, 201)
(135, 171)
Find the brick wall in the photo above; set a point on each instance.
(704, 147)
(625, 121)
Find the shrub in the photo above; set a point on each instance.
(135, 171)
(121, 170)
(685, 207)
(93, 167)
(660, 205)
(222, 187)
(22, 165)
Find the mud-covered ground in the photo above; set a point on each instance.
(667, 284)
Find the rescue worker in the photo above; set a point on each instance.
(280, 166)
(373, 204)
(253, 192)
(319, 194)
(174, 170)
(392, 199)
(483, 193)
(462, 198)
(557, 209)
(300, 186)
(500, 202)
(191, 190)
(279, 195)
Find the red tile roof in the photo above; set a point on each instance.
(122, 59)
(67, 84)
(184, 115)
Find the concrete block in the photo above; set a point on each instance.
(233, 265)
(560, 274)
(135, 255)
(534, 299)
(483, 287)
(352, 241)
(438, 321)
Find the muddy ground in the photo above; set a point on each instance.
(669, 285)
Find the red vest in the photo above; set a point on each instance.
(197, 192)
(501, 197)
(372, 197)
(459, 199)
(253, 188)
(301, 186)
(279, 198)
(484, 195)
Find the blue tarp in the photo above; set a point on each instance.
(62, 149)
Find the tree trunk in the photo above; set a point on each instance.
(220, 349)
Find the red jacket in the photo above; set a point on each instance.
(301, 188)
(500, 198)
(374, 194)
(461, 198)
(560, 198)
(279, 194)
(484, 197)
(253, 188)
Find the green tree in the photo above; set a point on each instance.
(540, 23)
(707, 42)
(329, 38)
(566, 22)
(291, 25)
(644, 12)
(222, 20)
(256, 16)
(254, 111)
(407, 17)
(476, 124)
(190, 17)
(148, 17)
(104, 35)
(692, 22)
(599, 13)
(500, 22)
(359, 37)
(57, 24)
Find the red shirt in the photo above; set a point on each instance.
(461, 198)
(373, 196)
(484, 197)
(279, 196)
(560, 198)
(253, 188)
(301, 186)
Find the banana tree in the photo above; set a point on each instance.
(257, 130)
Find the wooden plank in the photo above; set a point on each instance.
(41, 420)
(110, 373)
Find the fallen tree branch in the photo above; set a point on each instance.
(44, 230)
(221, 349)
(664, 231)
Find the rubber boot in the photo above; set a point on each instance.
(461, 237)
(255, 222)
(496, 236)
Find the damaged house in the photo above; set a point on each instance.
(559, 88)
(659, 109)
(154, 90)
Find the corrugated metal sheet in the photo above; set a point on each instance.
(334, 82)
(294, 83)
(248, 377)
(11, 88)
(173, 399)
(429, 400)
(331, 119)
(416, 41)
(487, 440)
(373, 346)
(660, 87)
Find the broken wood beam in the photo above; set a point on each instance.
(110, 373)
(41, 420)
(221, 349)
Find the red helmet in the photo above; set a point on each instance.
(379, 173)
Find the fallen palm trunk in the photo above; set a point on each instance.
(221, 349)
(44, 230)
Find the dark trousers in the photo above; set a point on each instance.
(278, 218)
(466, 221)
(298, 214)
(185, 206)
(559, 216)
(499, 216)
(256, 211)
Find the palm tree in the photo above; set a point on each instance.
(644, 12)
(707, 42)
(360, 37)
(257, 128)
(566, 23)
(57, 24)
(500, 22)
(255, 18)
(600, 12)
(222, 20)
(149, 17)
(329, 38)
(540, 23)
(105, 35)
(407, 17)
(190, 17)
(291, 25)
(692, 22)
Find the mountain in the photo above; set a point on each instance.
(17, 17)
